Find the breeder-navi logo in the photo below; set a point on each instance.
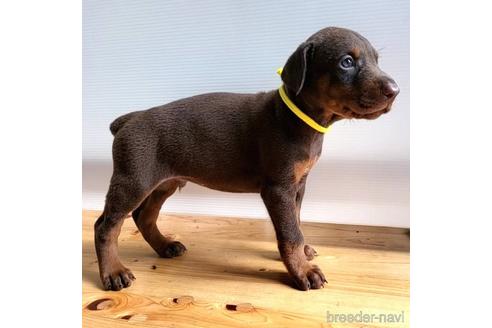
(361, 317)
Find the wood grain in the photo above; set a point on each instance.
(232, 276)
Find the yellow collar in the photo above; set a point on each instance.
(299, 113)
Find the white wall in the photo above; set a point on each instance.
(138, 54)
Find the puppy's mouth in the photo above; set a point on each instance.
(365, 110)
(372, 115)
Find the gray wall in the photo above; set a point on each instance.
(138, 54)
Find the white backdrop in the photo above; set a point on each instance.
(138, 54)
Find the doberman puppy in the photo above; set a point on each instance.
(232, 142)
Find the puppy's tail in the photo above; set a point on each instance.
(120, 121)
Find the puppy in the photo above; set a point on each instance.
(256, 143)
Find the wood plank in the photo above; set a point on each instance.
(234, 277)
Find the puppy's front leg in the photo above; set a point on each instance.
(280, 201)
(308, 250)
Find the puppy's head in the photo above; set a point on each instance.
(337, 70)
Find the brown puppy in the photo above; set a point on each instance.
(240, 143)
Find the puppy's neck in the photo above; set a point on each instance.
(320, 115)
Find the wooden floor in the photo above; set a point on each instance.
(232, 276)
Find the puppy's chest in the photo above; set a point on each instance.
(302, 167)
(303, 164)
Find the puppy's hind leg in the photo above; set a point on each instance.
(145, 217)
(124, 195)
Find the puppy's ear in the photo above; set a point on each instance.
(294, 72)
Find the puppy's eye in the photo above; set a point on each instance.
(347, 62)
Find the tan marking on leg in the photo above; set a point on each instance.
(114, 275)
(294, 257)
(147, 217)
(306, 275)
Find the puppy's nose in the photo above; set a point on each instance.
(390, 89)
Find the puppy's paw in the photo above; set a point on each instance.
(310, 252)
(117, 279)
(310, 278)
(172, 249)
